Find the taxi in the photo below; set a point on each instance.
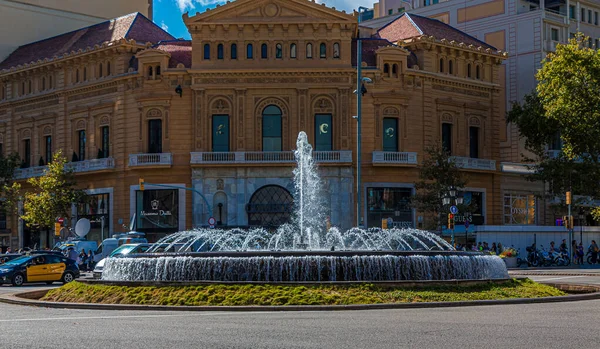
(46, 268)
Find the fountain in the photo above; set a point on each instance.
(304, 251)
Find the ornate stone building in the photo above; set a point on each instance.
(220, 113)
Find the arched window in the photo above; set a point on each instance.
(207, 51)
(150, 72)
(293, 51)
(278, 51)
(43, 84)
(441, 65)
(450, 67)
(107, 68)
(220, 51)
(336, 50)
(157, 70)
(323, 50)
(233, 51)
(477, 72)
(249, 51)
(395, 70)
(84, 74)
(271, 129)
(100, 72)
(264, 51)
(270, 206)
(469, 70)
(386, 69)
(309, 50)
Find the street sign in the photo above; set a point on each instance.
(60, 220)
(453, 209)
(467, 224)
(212, 221)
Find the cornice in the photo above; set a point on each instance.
(431, 40)
(453, 80)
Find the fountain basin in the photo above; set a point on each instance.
(305, 266)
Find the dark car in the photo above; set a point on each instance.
(46, 268)
(8, 257)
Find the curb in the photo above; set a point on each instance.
(24, 299)
(533, 273)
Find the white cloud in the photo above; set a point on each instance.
(164, 26)
(348, 5)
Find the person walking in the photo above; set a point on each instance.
(8, 250)
(90, 260)
(575, 252)
(594, 249)
(580, 253)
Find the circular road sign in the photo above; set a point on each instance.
(212, 221)
(453, 209)
(60, 220)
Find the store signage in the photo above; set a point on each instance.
(155, 211)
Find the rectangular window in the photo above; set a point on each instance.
(474, 142)
(96, 208)
(2, 219)
(596, 43)
(155, 136)
(323, 132)
(82, 142)
(220, 133)
(1, 149)
(572, 12)
(48, 149)
(554, 34)
(589, 18)
(390, 11)
(390, 134)
(582, 18)
(386, 203)
(473, 205)
(27, 153)
(157, 213)
(105, 141)
(519, 209)
(272, 133)
(447, 137)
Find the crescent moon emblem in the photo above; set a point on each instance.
(389, 132)
(324, 128)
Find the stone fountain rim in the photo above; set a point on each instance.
(307, 253)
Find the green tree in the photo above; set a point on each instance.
(52, 194)
(9, 189)
(437, 174)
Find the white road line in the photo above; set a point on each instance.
(137, 316)
(561, 278)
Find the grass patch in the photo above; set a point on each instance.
(232, 295)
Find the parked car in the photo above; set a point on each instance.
(120, 251)
(46, 268)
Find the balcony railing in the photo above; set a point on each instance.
(77, 167)
(267, 157)
(556, 16)
(390, 157)
(474, 164)
(158, 159)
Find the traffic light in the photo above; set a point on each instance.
(450, 221)
(569, 197)
(568, 222)
(141, 182)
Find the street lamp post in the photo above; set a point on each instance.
(581, 222)
(360, 90)
(452, 197)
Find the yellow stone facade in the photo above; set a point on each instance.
(409, 86)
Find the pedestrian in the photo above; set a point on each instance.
(580, 253)
(72, 254)
(90, 260)
(494, 249)
(479, 246)
(500, 248)
(82, 259)
(563, 246)
(8, 250)
(594, 249)
(574, 249)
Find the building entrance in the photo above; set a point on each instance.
(270, 206)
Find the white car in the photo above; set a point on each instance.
(120, 251)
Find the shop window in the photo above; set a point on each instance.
(447, 137)
(157, 212)
(323, 132)
(384, 203)
(278, 51)
(271, 129)
(474, 142)
(105, 134)
(207, 52)
(249, 51)
(293, 51)
(82, 143)
(323, 50)
(519, 209)
(96, 208)
(155, 136)
(233, 51)
(26, 153)
(309, 51)
(336, 50)
(264, 51)
(220, 133)
(220, 54)
(48, 149)
(472, 211)
(390, 134)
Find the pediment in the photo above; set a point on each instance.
(393, 51)
(271, 11)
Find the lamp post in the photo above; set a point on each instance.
(360, 91)
(581, 222)
(452, 197)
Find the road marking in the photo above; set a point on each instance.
(560, 278)
(137, 316)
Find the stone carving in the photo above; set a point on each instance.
(154, 113)
(80, 125)
(26, 134)
(220, 184)
(474, 121)
(391, 111)
(447, 117)
(47, 131)
(104, 121)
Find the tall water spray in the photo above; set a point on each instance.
(309, 210)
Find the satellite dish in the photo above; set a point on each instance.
(82, 228)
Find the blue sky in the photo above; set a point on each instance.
(167, 13)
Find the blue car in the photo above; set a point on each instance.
(46, 268)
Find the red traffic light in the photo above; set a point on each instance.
(450, 216)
